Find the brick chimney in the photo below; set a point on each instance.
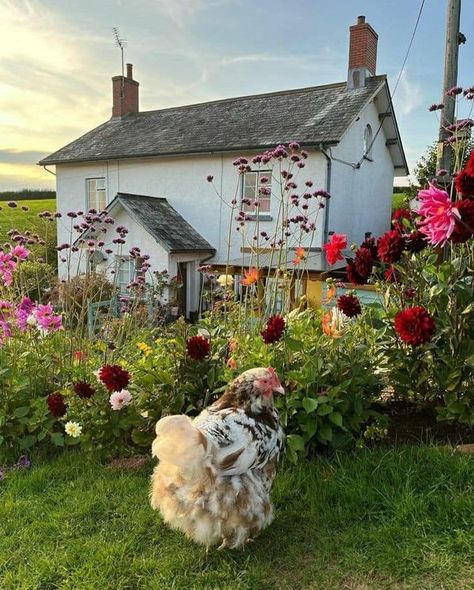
(124, 94)
(362, 53)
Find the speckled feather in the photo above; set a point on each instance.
(215, 472)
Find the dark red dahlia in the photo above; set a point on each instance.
(464, 184)
(349, 305)
(274, 329)
(198, 347)
(56, 404)
(390, 246)
(353, 276)
(114, 377)
(464, 227)
(414, 325)
(416, 242)
(397, 219)
(371, 245)
(84, 390)
(363, 261)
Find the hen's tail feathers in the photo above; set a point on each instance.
(179, 443)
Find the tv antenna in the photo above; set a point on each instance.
(121, 43)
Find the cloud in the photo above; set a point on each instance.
(409, 95)
(21, 157)
(180, 11)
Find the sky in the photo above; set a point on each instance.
(57, 58)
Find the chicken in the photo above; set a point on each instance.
(215, 472)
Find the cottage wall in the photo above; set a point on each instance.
(361, 198)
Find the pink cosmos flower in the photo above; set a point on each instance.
(47, 320)
(23, 310)
(7, 266)
(5, 331)
(439, 215)
(20, 252)
(120, 399)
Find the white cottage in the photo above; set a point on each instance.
(149, 168)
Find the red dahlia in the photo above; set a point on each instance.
(363, 261)
(414, 325)
(114, 377)
(397, 219)
(349, 305)
(274, 329)
(198, 347)
(371, 245)
(464, 184)
(464, 227)
(56, 404)
(416, 242)
(84, 390)
(353, 276)
(390, 246)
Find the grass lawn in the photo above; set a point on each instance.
(375, 519)
(22, 220)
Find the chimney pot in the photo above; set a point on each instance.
(360, 20)
(130, 71)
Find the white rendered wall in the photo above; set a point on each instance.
(361, 199)
(182, 181)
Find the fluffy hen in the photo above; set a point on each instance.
(215, 472)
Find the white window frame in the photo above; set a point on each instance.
(368, 138)
(96, 196)
(254, 195)
(134, 265)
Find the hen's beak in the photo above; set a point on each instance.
(279, 389)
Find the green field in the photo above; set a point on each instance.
(381, 519)
(25, 220)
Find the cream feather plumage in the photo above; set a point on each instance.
(215, 472)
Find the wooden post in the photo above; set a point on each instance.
(453, 19)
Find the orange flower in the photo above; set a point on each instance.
(330, 293)
(251, 276)
(232, 364)
(300, 255)
(233, 343)
(333, 323)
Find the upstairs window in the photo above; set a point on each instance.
(95, 192)
(368, 138)
(256, 187)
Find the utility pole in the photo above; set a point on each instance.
(453, 39)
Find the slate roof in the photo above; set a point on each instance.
(319, 114)
(163, 222)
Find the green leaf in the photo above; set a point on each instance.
(21, 412)
(336, 418)
(309, 404)
(27, 441)
(57, 438)
(294, 345)
(325, 432)
(295, 442)
(324, 410)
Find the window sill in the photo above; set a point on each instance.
(261, 217)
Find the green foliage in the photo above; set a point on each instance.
(440, 372)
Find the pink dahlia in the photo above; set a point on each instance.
(438, 213)
(120, 399)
